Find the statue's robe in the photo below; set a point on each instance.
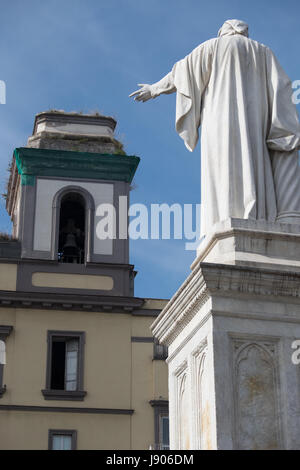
(236, 90)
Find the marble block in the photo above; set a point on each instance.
(230, 329)
(252, 243)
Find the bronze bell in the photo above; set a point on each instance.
(70, 241)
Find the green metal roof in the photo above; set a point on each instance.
(32, 162)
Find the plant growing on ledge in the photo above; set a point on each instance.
(7, 237)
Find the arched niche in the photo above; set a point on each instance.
(256, 392)
(72, 203)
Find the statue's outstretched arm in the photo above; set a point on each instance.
(146, 92)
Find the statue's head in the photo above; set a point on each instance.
(231, 27)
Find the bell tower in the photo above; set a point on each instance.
(72, 175)
(77, 354)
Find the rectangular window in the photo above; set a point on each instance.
(64, 363)
(62, 439)
(164, 432)
(2, 362)
(161, 424)
(64, 378)
(2, 387)
(5, 331)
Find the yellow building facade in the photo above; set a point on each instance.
(81, 369)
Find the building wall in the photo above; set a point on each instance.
(8, 276)
(118, 374)
(29, 430)
(124, 385)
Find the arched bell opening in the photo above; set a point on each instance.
(71, 243)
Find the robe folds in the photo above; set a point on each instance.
(235, 89)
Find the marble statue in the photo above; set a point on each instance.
(237, 91)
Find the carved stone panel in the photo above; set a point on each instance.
(182, 392)
(201, 398)
(256, 395)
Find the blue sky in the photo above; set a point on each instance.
(85, 55)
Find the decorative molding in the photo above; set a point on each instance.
(190, 335)
(256, 316)
(159, 403)
(181, 368)
(244, 229)
(183, 413)
(74, 119)
(210, 279)
(142, 339)
(68, 395)
(200, 348)
(12, 188)
(10, 249)
(146, 312)
(77, 302)
(183, 306)
(120, 275)
(32, 162)
(66, 409)
(242, 280)
(199, 368)
(179, 378)
(5, 331)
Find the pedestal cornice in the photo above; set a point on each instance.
(211, 279)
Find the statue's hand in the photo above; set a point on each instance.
(143, 94)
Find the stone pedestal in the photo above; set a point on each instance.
(230, 329)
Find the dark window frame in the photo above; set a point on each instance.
(161, 408)
(2, 387)
(62, 432)
(48, 392)
(5, 331)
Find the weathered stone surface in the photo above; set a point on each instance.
(77, 132)
(10, 249)
(231, 327)
(74, 143)
(252, 243)
(256, 387)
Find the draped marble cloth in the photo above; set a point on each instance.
(236, 90)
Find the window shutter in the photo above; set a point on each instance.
(2, 352)
(71, 371)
